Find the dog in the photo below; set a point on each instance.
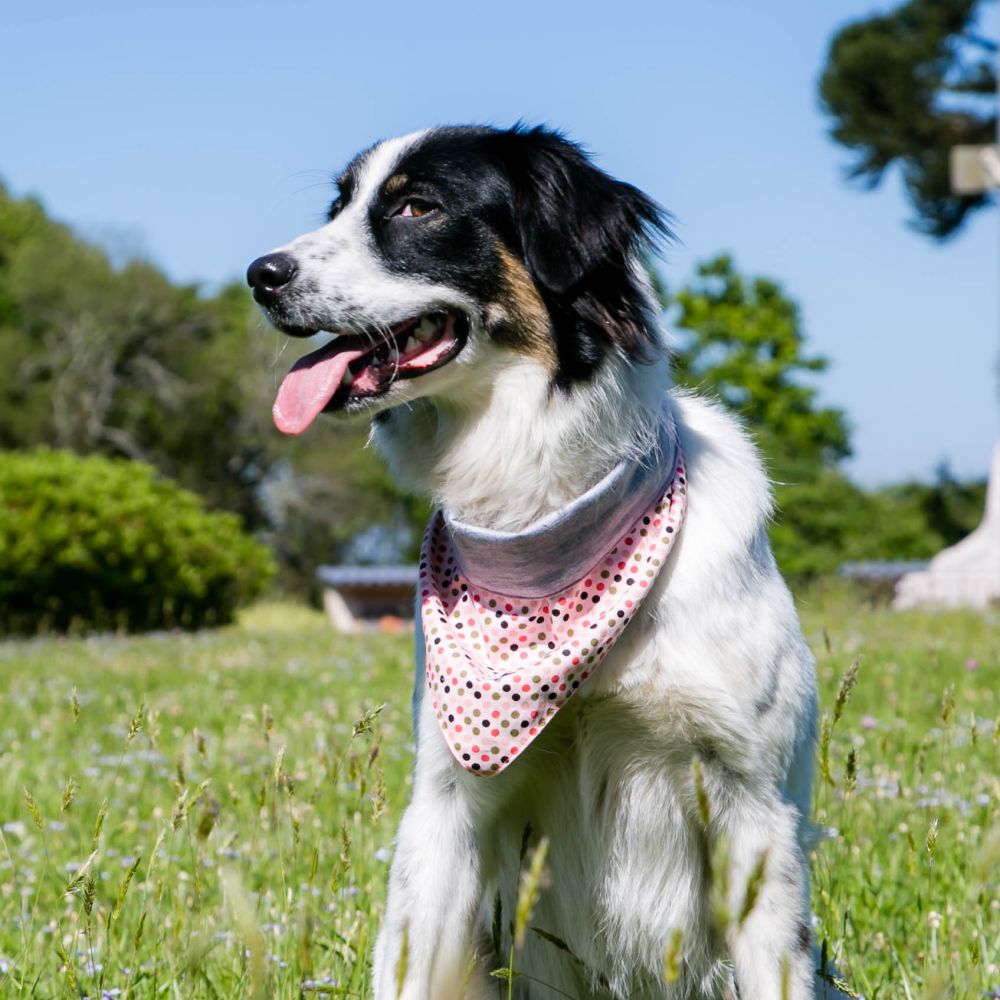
(494, 320)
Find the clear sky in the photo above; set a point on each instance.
(203, 134)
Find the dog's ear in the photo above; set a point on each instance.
(582, 233)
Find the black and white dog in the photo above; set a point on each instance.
(492, 315)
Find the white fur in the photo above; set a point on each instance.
(714, 667)
(344, 285)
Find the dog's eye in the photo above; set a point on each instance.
(414, 209)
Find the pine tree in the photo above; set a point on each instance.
(902, 88)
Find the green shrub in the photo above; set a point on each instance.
(99, 543)
(825, 520)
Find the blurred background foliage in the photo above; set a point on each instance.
(118, 361)
(89, 542)
(113, 359)
(901, 88)
(741, 338)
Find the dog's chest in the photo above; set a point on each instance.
(625, 859)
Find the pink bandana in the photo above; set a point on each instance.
(499, 668)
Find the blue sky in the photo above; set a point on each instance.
(203, 134)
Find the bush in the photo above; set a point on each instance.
(98, 543)
(826, 520)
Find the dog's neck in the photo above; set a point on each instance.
(520, 448)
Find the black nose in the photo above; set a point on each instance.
(269, 274)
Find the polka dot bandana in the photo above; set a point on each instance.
(499, 668)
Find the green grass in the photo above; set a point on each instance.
(210, 815)
(907, 890)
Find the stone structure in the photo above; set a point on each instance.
(366, 598)
(968, 573)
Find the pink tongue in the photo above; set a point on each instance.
(309, 386)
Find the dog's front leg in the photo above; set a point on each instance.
(772, 942)
(425, 949)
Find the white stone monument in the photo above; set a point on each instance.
(968, 573)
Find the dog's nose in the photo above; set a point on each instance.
(267, 275)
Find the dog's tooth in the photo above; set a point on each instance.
(411, 344)
(347, 378)
(426, 329)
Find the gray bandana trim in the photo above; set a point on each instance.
(556, 551)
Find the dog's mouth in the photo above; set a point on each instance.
(357, 367)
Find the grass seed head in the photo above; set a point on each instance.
(672, 957)
(532, 882)
(89, 894)
(102, 812)
(135, 723)
(243, 912)
(68, 793)
(366, 724)
(116, 909)
(68, 969)
(278, 761)
(947, 703)
(718, 885)
(403, 962)
(755, 882)
(701, 795)
(826, 731)
(77, 880)
(851, 771)
(847, 683)
(932, 839)
(36, 816)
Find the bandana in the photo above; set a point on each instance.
(499, 667)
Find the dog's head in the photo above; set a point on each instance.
(447, 252)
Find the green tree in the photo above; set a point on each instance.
(120, 361)
(902, 88)
(741, 338)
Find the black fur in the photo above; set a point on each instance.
(579, 230)
(575, 228)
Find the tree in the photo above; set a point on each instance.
(826, 520)
(902, 88)
(742, 339)
(122, 362)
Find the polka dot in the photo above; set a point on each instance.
(478, 632)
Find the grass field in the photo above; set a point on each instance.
(211, 815)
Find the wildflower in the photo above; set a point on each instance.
(868, 722)
(972, 664)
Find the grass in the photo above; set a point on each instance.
(907, 888)
(211, 815)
